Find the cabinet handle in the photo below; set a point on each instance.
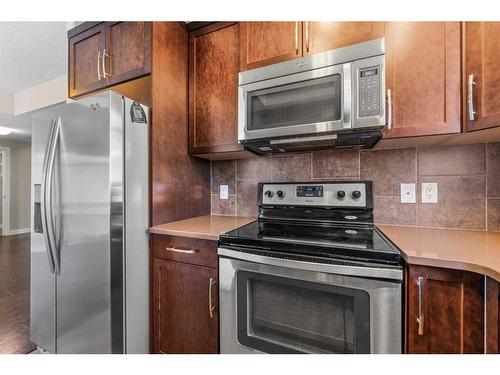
(211, 308)
(104, 55)
(307, 36)
(420, 319)
(296, 37)
(470, 97)
(99, 65)
(176, 249)
(389, 109)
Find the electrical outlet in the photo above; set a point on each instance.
(408, 193)
(224, 191)
(429, 192)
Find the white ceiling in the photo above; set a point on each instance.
(31, 53)
(20, 125)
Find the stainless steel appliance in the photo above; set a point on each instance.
(334, 98)
(89, 242)
(311, 275)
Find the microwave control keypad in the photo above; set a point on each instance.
(369, 92)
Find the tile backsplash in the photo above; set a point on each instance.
(468, 178)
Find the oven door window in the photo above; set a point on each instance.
(313, 101)
(281, 315)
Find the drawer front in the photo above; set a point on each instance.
(186, 250)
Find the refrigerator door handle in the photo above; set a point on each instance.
(43, 200)
(51, 233)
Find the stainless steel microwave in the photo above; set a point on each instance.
(334, 98)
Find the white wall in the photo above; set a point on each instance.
(47, 93)
(20, 183)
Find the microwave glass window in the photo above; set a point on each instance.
(312, 101)
(284, 316)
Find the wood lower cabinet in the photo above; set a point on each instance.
(445, 311)
(107, 53)
(85, 51)
(264, 43)
(213, 89)
(184, 305)
(492, 316)
(423, 78)
(482, 56)
(324, 36)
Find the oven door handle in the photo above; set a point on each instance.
(337, 269)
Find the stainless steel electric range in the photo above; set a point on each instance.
(312, 275)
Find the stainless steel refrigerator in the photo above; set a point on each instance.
(89, 241)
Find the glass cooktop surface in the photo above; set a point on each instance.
(317, 240)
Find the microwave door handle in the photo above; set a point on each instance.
(54, 243)
(43, 198)
(347, 95)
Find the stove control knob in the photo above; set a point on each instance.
(356, 194)
(340, 194)
(280, 194)
(269, 194)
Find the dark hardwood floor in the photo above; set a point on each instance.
(14, 294)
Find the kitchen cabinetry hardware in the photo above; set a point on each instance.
(211, 308)
(389, 109)
(420, 319)
(104, 73)
(99, 65)
(182, 250)
(296, 38)
(470, 97)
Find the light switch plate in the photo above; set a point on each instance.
(224, 191)
(408, 194)
(429, 192)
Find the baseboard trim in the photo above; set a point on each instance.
(13, 232)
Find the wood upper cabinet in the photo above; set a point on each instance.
(482, 56)
(213, 89)
(423, 78)
(182, 322)
(264, 43)
(324, 36)
(127, 46)
(85, 60)
(445, 311)
(106, 54)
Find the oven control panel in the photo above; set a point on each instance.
(356, 194)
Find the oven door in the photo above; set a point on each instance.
(288, 306)
(305, 103)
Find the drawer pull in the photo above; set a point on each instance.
(185, 250)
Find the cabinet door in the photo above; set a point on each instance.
(128, 45)
(213, 89)
(482, 62)
(423, 76)
(182, 322)
(264, 43)
(324, 36)
(85, 65)
(445, 311)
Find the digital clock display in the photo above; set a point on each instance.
(309, 191)
(369, 72)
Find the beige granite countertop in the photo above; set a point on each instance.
(466, 250)
(207, 227)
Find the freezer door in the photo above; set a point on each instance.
(42, 280)
(90, 170)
